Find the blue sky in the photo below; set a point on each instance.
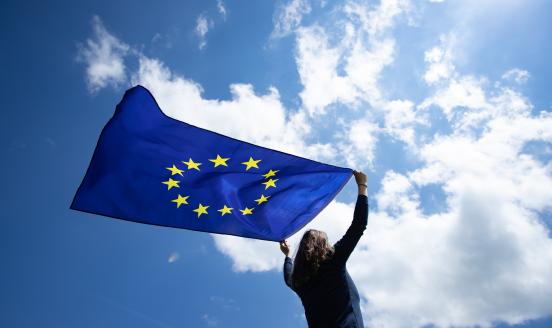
(445, 105)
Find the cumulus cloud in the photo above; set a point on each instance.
(103, 55)
(340, 65)
(317, 63)
(342, 62)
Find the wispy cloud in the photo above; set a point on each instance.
(203, 24)
(153, 322)
(288, 16)
(210, 320)
(221, 9)
(103, 55)
(516, 75)
(173, 257)
(227, 304)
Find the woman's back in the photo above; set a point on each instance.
(331, 299)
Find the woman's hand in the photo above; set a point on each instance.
(362, 182)
(360, 177)
(284, 247)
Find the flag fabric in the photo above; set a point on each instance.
(150, 168)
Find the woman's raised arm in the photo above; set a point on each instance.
(345, 246)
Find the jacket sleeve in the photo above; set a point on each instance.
(288, 268)
(345, 246)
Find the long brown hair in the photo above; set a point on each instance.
(313, 250)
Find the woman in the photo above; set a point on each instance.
(319, 276)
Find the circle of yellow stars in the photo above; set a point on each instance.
(217, 161)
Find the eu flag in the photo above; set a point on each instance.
(150, 168)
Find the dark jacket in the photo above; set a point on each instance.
(330, 298)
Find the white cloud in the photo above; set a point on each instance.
(472, 265)
(397, 196)
(288, 16)
(364, 67)
(380, 19)
(495, 157)
(482, 261)
(491, 234)
(203, 24)
(358, 144)
(210, 320)
(465, 92)
(227, 304)
(516, 75)
(173, 257)
(342, 63)
(440, 61)
(401, 120)
(103, 56)
(221, 9)
(317, 62)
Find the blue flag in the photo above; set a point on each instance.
(150, 168)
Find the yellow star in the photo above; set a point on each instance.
(262, 199)
(180, 200)
(225, 210)
(247, 211)
(270, 183)
(219, 161)
(192, 165)
(201, 210)
(171, 183)
(270, 173)
(175, 170)
(251, 163)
